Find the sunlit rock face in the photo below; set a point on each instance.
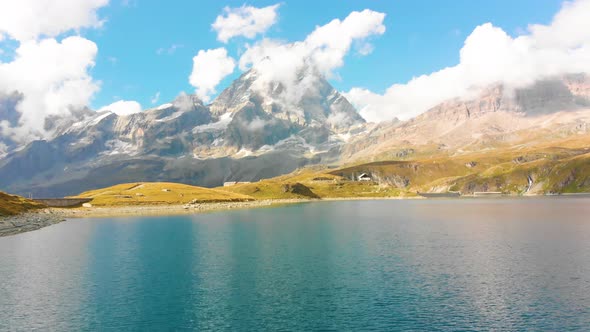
(496, 115)
(251, 131)
(257, 129)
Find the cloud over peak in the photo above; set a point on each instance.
(209, 68)
(51, 74)
(123, 107)
(490, 56)
(245, 21)
(53, 78)
(295, 65)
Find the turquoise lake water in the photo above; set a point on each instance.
(470, 264)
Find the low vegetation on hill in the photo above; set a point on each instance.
(155, 193)
(549, 168)
(11, 204)
(310, 183)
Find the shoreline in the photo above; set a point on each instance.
(29, 221)
(172, 209)
(188, 209)
(34, 220)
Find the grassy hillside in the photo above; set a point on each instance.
(10, 204)
(313, 183)
(154, 193)
(550, 167)
(557, 167)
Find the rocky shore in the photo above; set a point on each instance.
(159, 210)
(30, 221)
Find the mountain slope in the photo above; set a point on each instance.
(246, 134)
(560, 166)
(11, 204)
(258, 129)
(152, 193)
(499, 117)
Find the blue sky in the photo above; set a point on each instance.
(390, 59)
(147, 47)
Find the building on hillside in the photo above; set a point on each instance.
(364, 177)
(233, 183)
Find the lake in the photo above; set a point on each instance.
(466, 264)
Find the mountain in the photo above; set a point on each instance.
(246, 134)
(258, 129)
(499, 116)
(53, 125)
(8, 116)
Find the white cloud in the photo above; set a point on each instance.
(155, 98)
(30, 19)
(123, 107)
(258, 124)
(169, 50)
(209, 68)
(244, 21)
(365, 49)
(53, 77)
(490, 56)
(331, 42)
(129, 3)
(339, 119)
(321, 52)
(3, 149)
(185, 102)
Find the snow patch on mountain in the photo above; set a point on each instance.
(164, 106)
(223, 123)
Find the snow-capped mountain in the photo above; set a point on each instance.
(258, 129)
(246, 134)
(499, 115)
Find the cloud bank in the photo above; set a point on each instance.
(29, 19)
(246, 21)
(490, 56)
(123, 107)
(320, 54)
(53, 78)
(52, 75)
(209, 68)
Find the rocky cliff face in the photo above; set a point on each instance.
(245, 134)
(497, 116)
(257, 129)
(311, 101)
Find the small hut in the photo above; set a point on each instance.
(365, 177)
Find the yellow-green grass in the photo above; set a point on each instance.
(319, 182)
(159, 193)
(11, 204)
(561, 166)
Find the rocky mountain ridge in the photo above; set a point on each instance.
(256, 129)
(245, 134)
(499, 115)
